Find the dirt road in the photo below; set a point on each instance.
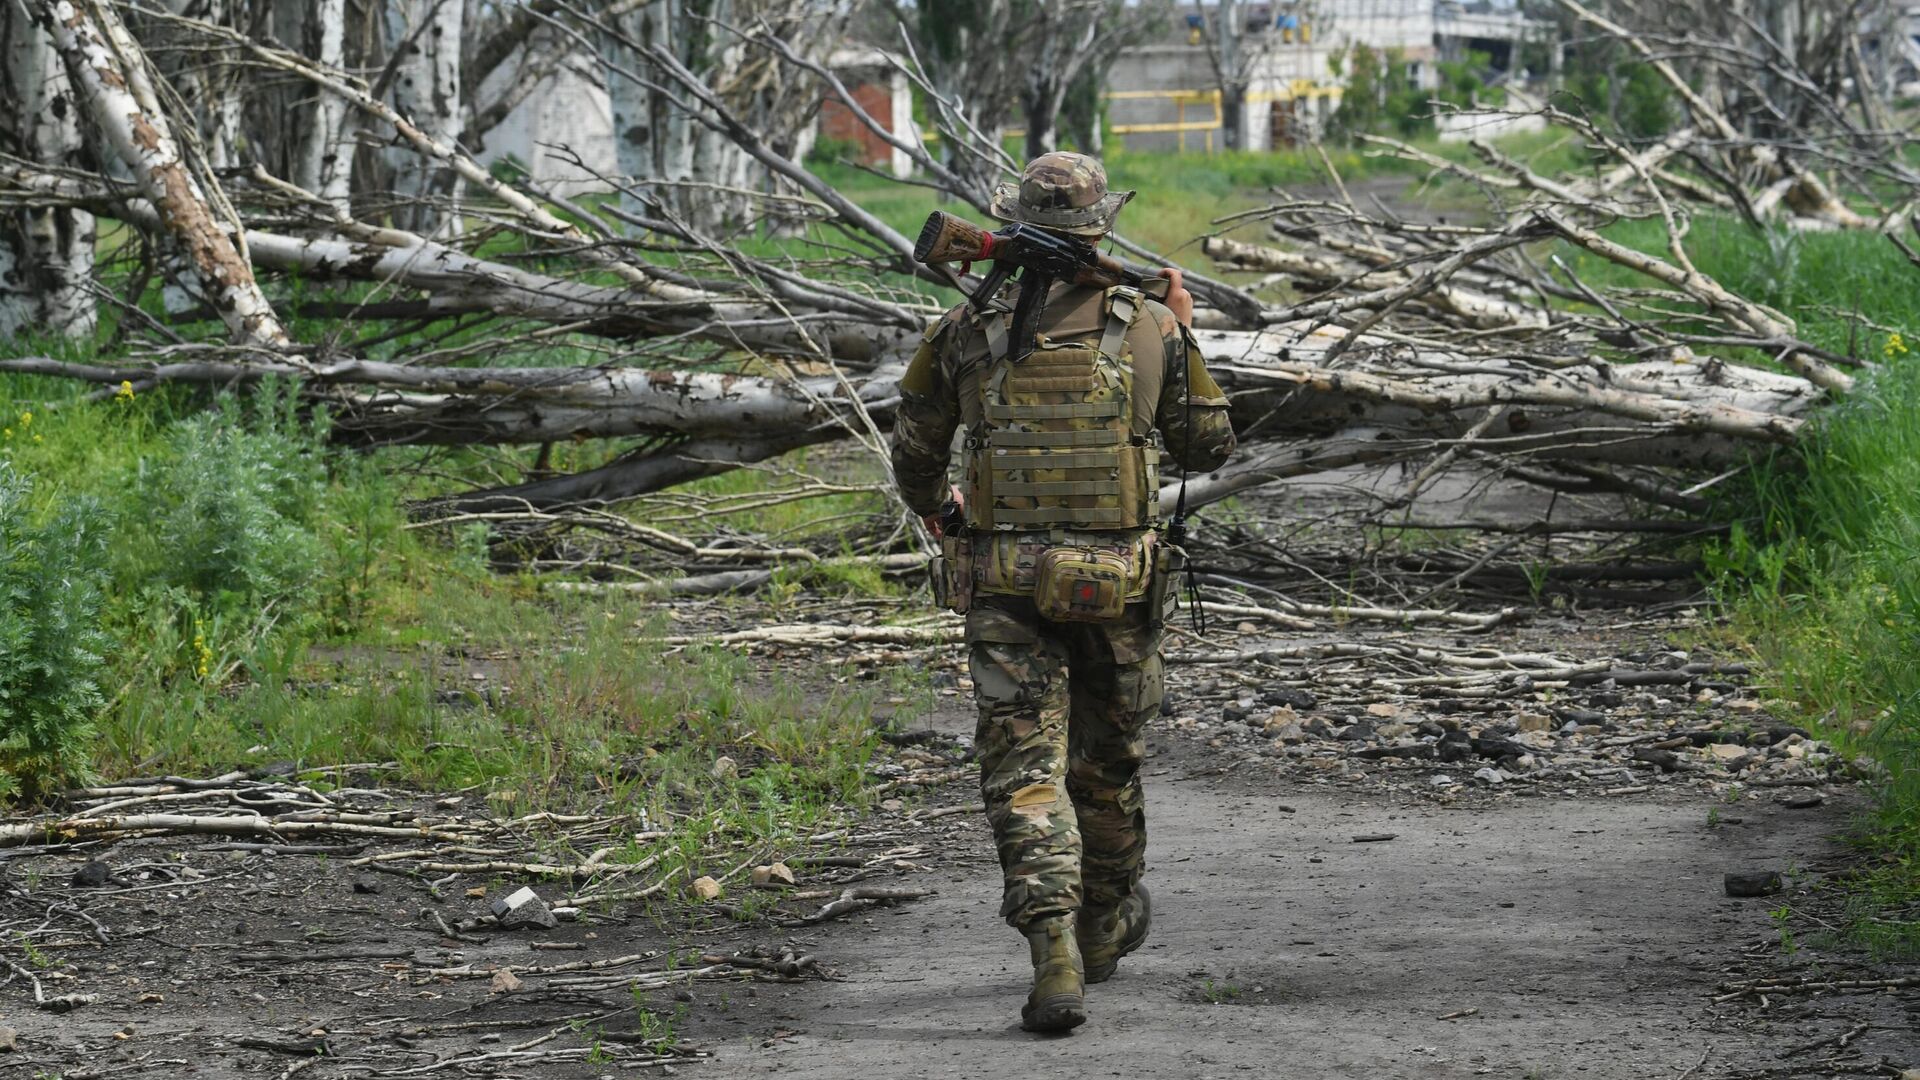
(1569, 937)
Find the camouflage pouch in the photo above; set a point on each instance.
(1163, 595)
(956, 555)
(1078, 584)
(937, 580)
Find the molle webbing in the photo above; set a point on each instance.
(1056, 449)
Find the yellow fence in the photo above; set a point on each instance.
(1182, 100)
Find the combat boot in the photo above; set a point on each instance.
(1109, 934)
(1059, 998)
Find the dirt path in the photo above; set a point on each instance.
(1587, 936)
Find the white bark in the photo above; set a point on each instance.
(688, 169)
(211, 85)
(46, 252)
(424, 38)
(1322, 272)
(324, 164)
(108, 71)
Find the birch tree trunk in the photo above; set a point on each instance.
(108, 72)
(684, 167)
(46, 252)
(323, 162)
(423, 37)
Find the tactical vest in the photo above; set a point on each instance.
(1055, 447)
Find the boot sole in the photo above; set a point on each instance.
(1062, 1012)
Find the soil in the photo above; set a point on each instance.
(1505, 929)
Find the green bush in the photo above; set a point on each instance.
(52, 577)
(226, 516)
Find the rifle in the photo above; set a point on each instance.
(1043, 258)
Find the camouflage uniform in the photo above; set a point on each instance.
(1059, 753)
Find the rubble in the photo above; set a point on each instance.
(522, 908)
(1654, 720)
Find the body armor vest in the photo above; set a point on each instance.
(1055, 447)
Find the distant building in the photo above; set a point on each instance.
(883, 93)
(562, 132)
(1163, 94)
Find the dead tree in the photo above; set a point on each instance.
(46, 250)
(1425, 345)
(110, 78)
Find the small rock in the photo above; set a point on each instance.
(1805, 801)
(93, 875)
(365, 886)
(504, 982)
(1394, 731)
(705, 888)
(892, 806)
(1360, 731)
(1287, 734)
(1729, 752)
(1318, 727)
(1288, 696)
(1492, 746)
(9, 1040)
(524, 907)
(1753, 883)
(1383, 709)
(1408, 751)
(725, 768)
(1236, 712)
(1490, 776)
(772, 876)
(1529, 721)
(1665, 760)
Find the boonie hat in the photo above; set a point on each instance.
(1062, 191)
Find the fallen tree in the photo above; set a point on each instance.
(1437, 346)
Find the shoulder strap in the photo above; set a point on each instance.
(1123, 304)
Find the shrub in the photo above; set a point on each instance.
(226, 515)
(52, 577)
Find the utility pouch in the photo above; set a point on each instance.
(1169, 562)
(955, 592)
(1076, 584)
(937, 581)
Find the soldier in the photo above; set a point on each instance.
(1063, 578)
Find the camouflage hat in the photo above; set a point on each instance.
(1063, 192)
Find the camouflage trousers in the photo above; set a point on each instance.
(1063, 711)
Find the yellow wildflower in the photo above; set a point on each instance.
(26, 419)
(1895, 346)
(6, 432)
(125, 393)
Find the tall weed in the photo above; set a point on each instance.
(52, 577)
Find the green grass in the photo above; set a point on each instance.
(1840, 289)
(1825, 591)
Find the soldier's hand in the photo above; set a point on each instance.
(932, 521)
(1179, 300)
